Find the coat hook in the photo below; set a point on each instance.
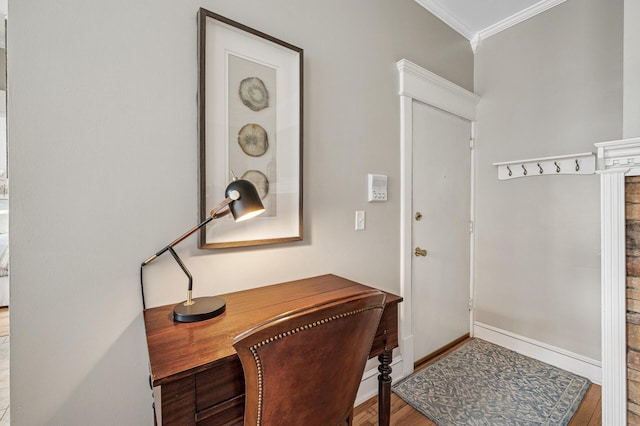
(525, 169)
(557, 167)
(510, 172)
(577, 165)
(540, 167)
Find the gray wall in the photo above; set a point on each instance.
(3, 69)
(549, 86)
(103, 151)
(631, 109)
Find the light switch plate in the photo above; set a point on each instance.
(360, 220)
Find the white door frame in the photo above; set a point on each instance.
(416, 83)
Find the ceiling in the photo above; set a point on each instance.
(479, 19)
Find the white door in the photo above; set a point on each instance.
(441, 199)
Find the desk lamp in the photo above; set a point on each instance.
(243, 202)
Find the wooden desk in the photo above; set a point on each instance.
(199, 374)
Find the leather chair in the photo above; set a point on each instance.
(304, 367)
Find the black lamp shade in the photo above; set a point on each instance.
(246, 202)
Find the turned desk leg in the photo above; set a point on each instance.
(384, 388)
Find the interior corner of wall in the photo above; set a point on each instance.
(476, 42)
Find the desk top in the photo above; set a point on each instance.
(177, 349)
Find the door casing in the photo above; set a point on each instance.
(417, 83)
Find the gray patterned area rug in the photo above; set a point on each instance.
(484, 384)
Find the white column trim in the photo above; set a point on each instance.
(616, 159)
(614, 386)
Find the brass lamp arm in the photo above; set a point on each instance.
(214, 214)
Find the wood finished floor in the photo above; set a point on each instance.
(366, 414)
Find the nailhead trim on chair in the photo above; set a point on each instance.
(256, 357)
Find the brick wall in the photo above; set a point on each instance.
(632, 207)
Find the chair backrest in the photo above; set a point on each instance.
(304, 367)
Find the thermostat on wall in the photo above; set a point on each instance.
(377, 187)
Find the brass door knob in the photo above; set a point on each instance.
(418, 215)
(420, 252)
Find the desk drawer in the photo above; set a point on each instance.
(230, 413)
(220, 393)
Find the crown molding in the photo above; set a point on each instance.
(447, 17)
(521, 16)
(475, 37)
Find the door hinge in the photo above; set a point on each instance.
(472, 143)
(471, 227)
(470, 305)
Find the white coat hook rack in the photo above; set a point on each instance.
(576, 164)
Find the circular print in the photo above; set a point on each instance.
(253, 139)
(259, 180)
(254, 93)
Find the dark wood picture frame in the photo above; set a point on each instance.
(250, 125)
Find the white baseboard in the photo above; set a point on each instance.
(406, 349)
(369, 385)
(566, 360)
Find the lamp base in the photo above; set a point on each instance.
(202, 309)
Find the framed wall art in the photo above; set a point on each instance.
(250, 127)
